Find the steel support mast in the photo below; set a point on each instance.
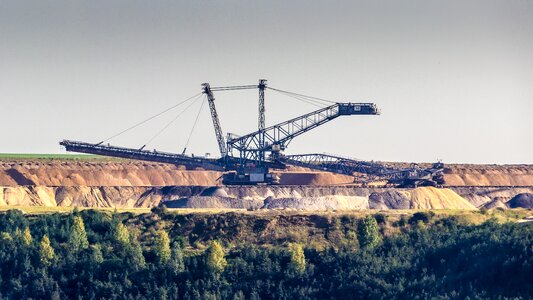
(216, 122)
(261, 123)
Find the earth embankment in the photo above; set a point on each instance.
(136, 173)
(267, 197)
(123, 183)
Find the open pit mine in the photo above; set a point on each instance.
(254, 172)
(116, 183)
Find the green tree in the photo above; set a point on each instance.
(254, 295)
(239, 295)
(163, 294)
(216, 262)
(421, 216)
(177, 258)
(121, 234)
(96, 254)
(12, 219)
(297, 262)
(26, 237)
(78, 237)
(46, 252)
(136, 252)
(368, 233)
(5, 237)
(162, 247)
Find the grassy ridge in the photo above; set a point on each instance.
(464, 216)
(51, 156)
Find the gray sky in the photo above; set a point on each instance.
(454, 79)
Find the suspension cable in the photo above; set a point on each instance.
(148, 119)
(172, 121)
(193, 126)
(320, 105)
(305, 96)
(302, 99)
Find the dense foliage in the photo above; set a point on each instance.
(101, 255)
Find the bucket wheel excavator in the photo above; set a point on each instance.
(248, 159)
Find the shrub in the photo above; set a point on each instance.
(422, 216)
(368, 233)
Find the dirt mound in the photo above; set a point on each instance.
(483, 196)
(521, 201)
(433, 198)
(393, 199)
(419, 198)
(323, 199)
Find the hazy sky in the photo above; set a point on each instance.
(453, 79)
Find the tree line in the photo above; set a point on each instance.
(96, 255)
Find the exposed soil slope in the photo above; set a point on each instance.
(122, 183)
(100, 173)
(489, 175)
(136, 173)
(302, 198)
